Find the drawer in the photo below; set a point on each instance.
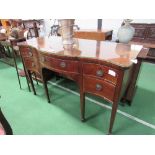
(101, 71)
(30, 64)
(26, 52)
(60, 64)
(99, 87)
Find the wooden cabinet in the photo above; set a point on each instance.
(96, 66)
(144, 32)
(151, 32)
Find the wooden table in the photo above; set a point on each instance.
(94, 34)
(99, 68)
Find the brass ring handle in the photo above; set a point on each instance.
(99, 73)
(63, 64)
(98, 87)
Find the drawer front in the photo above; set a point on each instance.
(30, 64)
(101, 71)
(59, 64)
(26, 52)
(99, 87)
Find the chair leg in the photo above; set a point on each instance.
(9, 52)
(27, 80)
(26, 75)
(14, 58)
(31, 81)
(36, 78)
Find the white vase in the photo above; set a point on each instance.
(66, 28)
(125, 32)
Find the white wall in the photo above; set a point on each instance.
(113, 24)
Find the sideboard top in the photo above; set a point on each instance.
(115, 53)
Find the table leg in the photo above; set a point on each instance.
(116, 100)
(132, 86)
(82, 102)
(44, 80)
(113, 115)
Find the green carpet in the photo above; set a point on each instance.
(32, 115)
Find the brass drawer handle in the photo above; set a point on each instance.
(63, 64)
(30, 54)
(99, 73)
(98, 87)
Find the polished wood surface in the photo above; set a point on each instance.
(98, 67)
(110, 52)
(99, 35)
(147, 44)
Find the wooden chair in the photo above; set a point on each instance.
(30, 59)
(5, 45)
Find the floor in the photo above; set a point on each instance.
(32, 115)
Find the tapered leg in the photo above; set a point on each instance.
(36, 78)
(82, 101)
(46, 88)
(26, 75)
(8, 49)
(113, 114)
(129, 94)
(27, 80)
(31, 81)
(14, 58)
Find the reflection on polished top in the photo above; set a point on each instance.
(115, 53)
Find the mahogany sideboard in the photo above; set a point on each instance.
(100, 68)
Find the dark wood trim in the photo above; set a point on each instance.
(5, 124)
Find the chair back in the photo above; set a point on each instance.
(30, 57)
